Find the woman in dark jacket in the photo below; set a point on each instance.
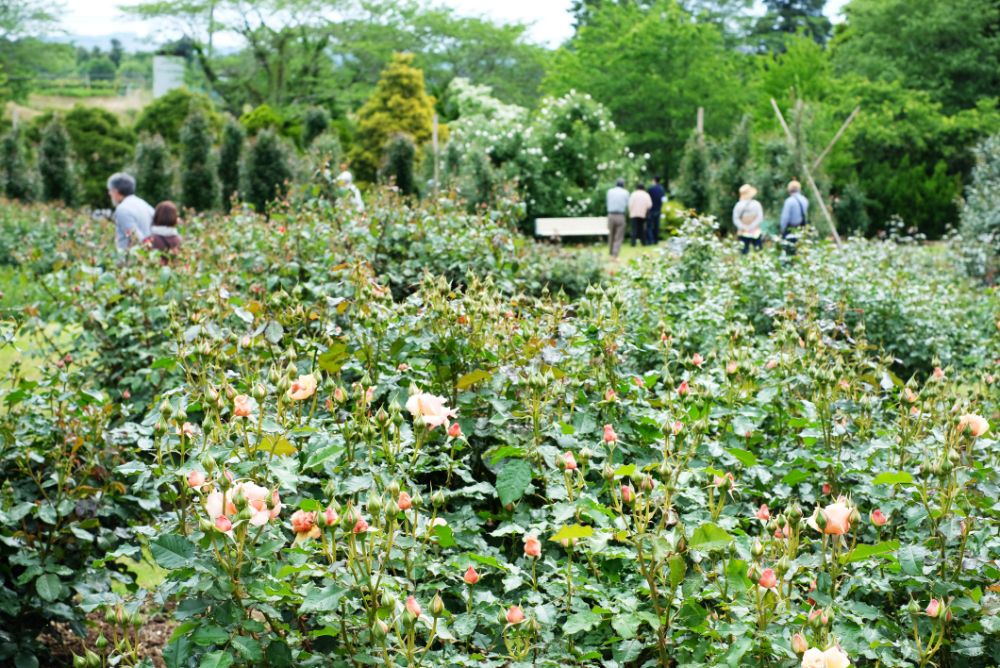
(163, 235)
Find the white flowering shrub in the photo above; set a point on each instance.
(561, 159)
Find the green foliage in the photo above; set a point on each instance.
(54, 163)
(652, 67)
(784, 18)
(733, 170)
(397, 166)
(16, 180)
(315, 123)
(102, 147)
(694, 182)
(166, 115)
(267, 170)
(230, 157)
(154, 171)
(978, 244)
(399, 104)
(850, 210)
(199, 183)
(260, 118)
(889, 40)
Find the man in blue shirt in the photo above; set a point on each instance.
(133, 216)
(658, 195)
(617, 204)
(794, 213)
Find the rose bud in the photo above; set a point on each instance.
(437, 605)
(455, 430)
(628, 494)
(515, 615)
(195, 479)
(223, 524)
(878, 518)
(767, 578)
(567, 462)
(404, 501)
(799, 644)
(933, 608)
(609, 434)
(532, 547)
(471, 577)
(412, 608)
(763, 513)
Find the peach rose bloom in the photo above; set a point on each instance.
(195, 479)
(813, 658)
(242, 405)
(304, 525)
(404, 501)
(532, 547)
(471, 577)
(763, 513)
(217, 505)
(976, 424)
(838, 518)
(835, 658)
(609, 434)
(302, 387)
(515, 615)
(257, 502)
(412, 606)
(431, 408)
(767, 578)
(570, 461)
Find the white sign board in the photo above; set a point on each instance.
(168, 74)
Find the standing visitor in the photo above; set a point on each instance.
(617, 201)
(163, 235)
(133, 216)
(795, 213)
(748, 215)
(657, 194)
(639, 204)
(346, 182)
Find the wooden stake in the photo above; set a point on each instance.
(836, 138)
(809, 179)
(701, 121)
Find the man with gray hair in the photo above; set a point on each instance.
(617, 202)
(133, 216)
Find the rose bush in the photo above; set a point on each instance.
(705, 460)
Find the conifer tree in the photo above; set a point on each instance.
(694, 180)
(154, 173)
(267, 170)
(397, 167)
(230, 155)
(54, 164)
(15, 175)
(316, 122)
(199, 186)
(400, 104)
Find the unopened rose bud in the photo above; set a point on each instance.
(380, 630)
(437, 499)
(437, 606)
(799, 644)
(757, 548)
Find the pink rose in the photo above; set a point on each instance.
(412, 606)
(404, 501)
(455, 430)
(195, 479)
(628, 494)
(302, 521)
(837, 516)
(471, 577)
(330, 516)
(771, 363)
(975, 424)
(609, 395)
(609, 434)
(799, 644)
(697, 360)
(768, 579)
(938, 373)
(569, 461)
(431, 408)
(933, 608)
(677, 427)
(223, 524)
(242, 405)
(878, 518)
(361, 526)
(683, 389)
(532, 547)
(732, 367)
(515, 615)
(302, 387)
(403, 367)
(763, 513)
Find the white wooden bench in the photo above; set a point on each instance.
(571, 227)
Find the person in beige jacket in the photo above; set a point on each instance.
(748, 215)
(639, 204)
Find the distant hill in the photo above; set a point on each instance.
(131, 42)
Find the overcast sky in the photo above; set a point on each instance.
(551, 23)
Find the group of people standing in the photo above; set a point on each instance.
(137, 221)
(645, 208)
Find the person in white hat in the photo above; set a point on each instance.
(748, 215)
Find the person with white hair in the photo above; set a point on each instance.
(133, 216)
(748, 215)
(617, 204)
(795, 213)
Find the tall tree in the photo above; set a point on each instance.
(400, 104)
(787, 17)
(893, 40)
(154, 174)
(230, 155)
(653, 68)
(54, 163)
(199, 186)
(15, 175)
(267, 170)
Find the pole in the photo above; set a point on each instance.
(836, 138)
(809, 179)
(434, 128)
(701, 121)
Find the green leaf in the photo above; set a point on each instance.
(573, 532)
(279, 445)
(506, 451)
(626, 624)
(625, 471)
(513, 480)
(585, 620)
(273, 332)
(278, 654)
(795, 476)
(890, 478)
(745, 457)
(167, 363)
(710, 537)
(172, 551)
(911, 560)
(444, 535)
(248, 648)
(334, 358)
(486, 561)
(177, 652)
(210, 634)
(243, 314)
(322, 600)
(48, 587)
(473, 377)
(862, 552)
(25, 659)
(218, 659)
(678, 569)
(743, 426)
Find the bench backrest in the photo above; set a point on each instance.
(571, 227)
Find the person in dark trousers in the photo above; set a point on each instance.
(639, 204)
(617, 200)
(794, 214)
(163, 235)
(658, 195)
(748, 215)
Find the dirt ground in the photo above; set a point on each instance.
(153, 636)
